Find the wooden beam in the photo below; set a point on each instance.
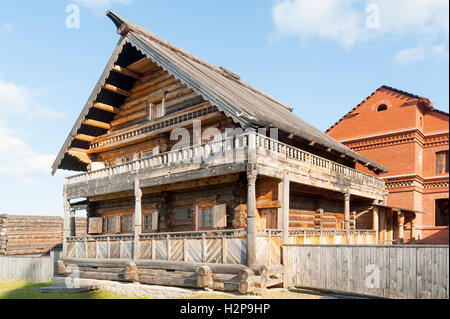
(115, 89)
(285, 207)
(84, 137)
(106, 107)
(98, 124)
(125, 71)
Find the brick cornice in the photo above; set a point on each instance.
(386, 139)
(436, 139)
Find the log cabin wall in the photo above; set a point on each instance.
(33, 235)
(176, 209)
(154, 96)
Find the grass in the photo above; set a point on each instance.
(16, 289)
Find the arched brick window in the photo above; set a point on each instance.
(382, 107)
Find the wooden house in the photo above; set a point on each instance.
(183, 162)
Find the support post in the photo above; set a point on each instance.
(413, 229)
(137, 218)
(251, 215)
(285, 207)
(73, 227)
(401, 225)
(66, 221)
(375, 221)
(347, 211)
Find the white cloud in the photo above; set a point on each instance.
(18, 159)
(18, 100)
(98, 5)
(6, 26)
(333, 19)
(410, 55)
(344, 22)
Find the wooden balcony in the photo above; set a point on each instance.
(228, 156)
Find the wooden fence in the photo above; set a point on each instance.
(406, 271)
(268, 242)
(34, 269)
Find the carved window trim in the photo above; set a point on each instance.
(151, 212)
(203, 203)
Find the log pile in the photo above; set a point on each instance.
(3, 225)
(220, 277)
(32, 235)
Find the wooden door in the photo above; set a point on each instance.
(269, 217)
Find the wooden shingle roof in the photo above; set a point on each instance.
(240, 101)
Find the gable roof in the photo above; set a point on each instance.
(243, 103)
(422, 100)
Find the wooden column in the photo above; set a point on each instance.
(73, 227)
(375, 221)
(413, 229)
(66, 222)
(137, 218)
(285, 207)
(251, 215)
(251, 147)
(401, 226)
(347, 211)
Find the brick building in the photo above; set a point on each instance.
(403, 132)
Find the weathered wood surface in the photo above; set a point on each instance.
(33, 235)
(220, 277)
(34, 269)
(269, 242)
(305, 168)
(216, 250)
(408, 271)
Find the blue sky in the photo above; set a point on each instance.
(322, 57)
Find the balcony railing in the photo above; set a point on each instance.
(231, 150)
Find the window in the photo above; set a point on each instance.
(110, 225)
(382, 107)
(182, 213)
(209, 214)
(149, 154)
(441, 212)
(442, 163)
(206, 217)
(148, 222)
(156, 110)
(128, 224)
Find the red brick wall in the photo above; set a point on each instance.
(404, 138)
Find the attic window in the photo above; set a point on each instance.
(382, 107)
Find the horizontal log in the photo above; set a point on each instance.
(106, 107)
(225, 286)
(116, 89)
(169, 281)
(82, 262)
(246, 286)
(98, 124)
(127, 72)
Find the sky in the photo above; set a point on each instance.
(322, 57)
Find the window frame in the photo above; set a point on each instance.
(445, 165)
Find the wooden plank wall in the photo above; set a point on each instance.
(26, 268)
(407, 271)
(33, 235)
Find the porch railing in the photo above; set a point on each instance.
(212, 246)
(194, 154)
(230, 150)
(311, 160)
